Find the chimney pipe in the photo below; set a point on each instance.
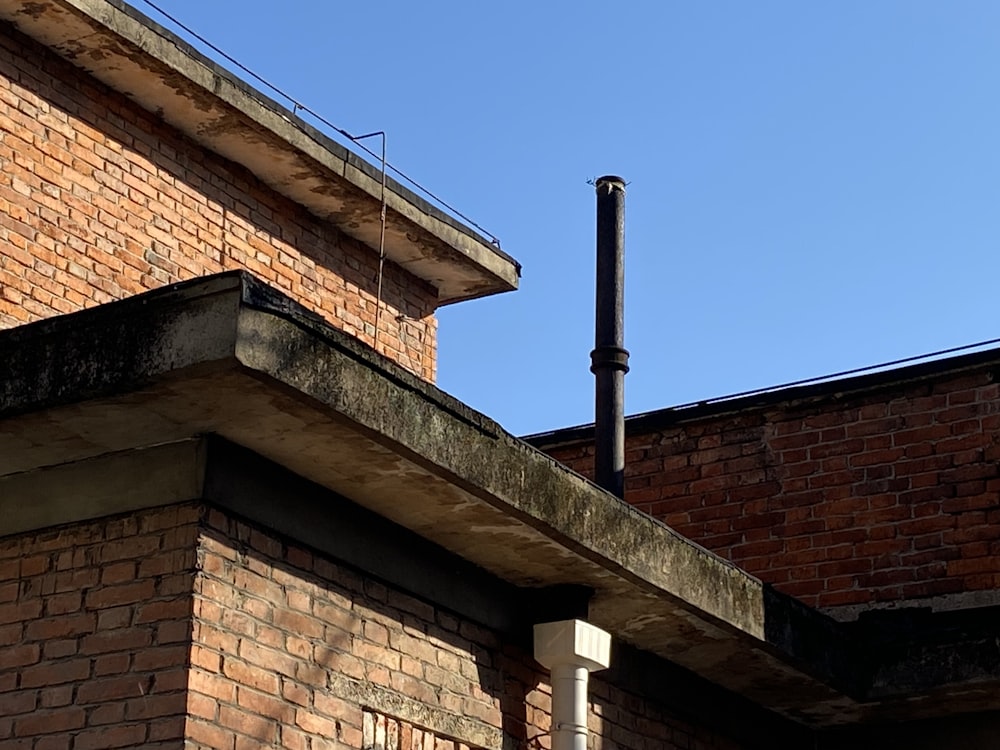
(609, 360)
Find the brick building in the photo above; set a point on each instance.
(877, 492)
(236, 513)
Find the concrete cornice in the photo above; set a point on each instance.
(135, 56)
(229, 356)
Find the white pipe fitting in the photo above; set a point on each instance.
(571, 650)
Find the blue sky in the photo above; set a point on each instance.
(813, 186)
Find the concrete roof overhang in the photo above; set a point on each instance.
(227, 355)
(135, 56)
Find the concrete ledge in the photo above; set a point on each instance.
(228, 355)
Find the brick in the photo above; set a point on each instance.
(314, 724)
(56, 649)
(116, 596)
(48, 722)
(989, 564)
(209, 734)
(125, 639)
(21, 655)
(269, 706)
(118, 573)
(61, 604)
(152, 659)
(110, 713)
(212, 685)
(23, 702)
(174, 609)
(299, 624)
(250, 676)
(113, 688)
(252, 725)
(20, 611)
(41, 675)
(268, 659)
(172, 632)
(839, 448)
(59, 627)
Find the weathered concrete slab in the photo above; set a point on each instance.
(229, 356)
(132, 54)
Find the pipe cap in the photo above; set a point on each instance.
(572, 642)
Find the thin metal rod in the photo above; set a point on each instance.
(381, 242)
(609, 360)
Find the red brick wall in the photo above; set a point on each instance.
(100, 200)
(185, 627)
(273, 622)
(279, 629)
(844, 501)
(94, 633)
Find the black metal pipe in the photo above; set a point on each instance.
(609, 360)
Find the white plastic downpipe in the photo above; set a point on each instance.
(571, 650)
